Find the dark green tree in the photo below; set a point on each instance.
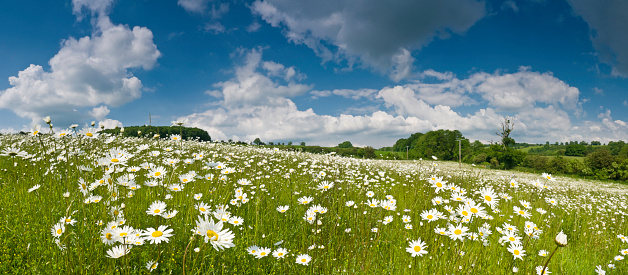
(346, 144)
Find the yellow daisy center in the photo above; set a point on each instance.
(202, 209)
(115, 160)
(157, 174)
(458, 232)
(123, 234)
(516, 252)
(59, 231)
(465, 213)
(213, 235)
(279, 254)
(417, 248)
(108, 236)
(512, 239)
(263, 254)
(429, 217)
(438, 184)
(68, 220)
(157, 211)
(303, 260)
(157, 234)
(89, 134)
(474, 210)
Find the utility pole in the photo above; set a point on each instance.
(407, 151)
(459, 152)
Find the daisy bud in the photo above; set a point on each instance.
(47, 119)
(93, 123)
(561, 239)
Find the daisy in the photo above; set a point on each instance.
(417, 248)
(543, 253)
(263, 252)
(156, 236)
(118, 251)
(280, 253)
(408, 226)
(517, 251)
(406, 219)
(623, 238)
(548, 177)
(235, 220)
(67, 220)
(618, 258)
(107, 236)
(169, 215)
(253, 250)
(539, 270)
(440, 231)
(203, 208)
(305, 200)
(303, 259)
(599, 270)
(457, 232)
(283, 209)
(438, 183)
(350, 203)
(213, 232)
(151, 265)
(431, 215)
(325, 185)
(157, 172)
(437, 200)
(57, 230)
(370, 194)
(373, 203)
(156, 208)
(521, 212)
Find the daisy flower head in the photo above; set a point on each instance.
(35, 187)
(263, 252)
(623, 252)
(370, 194)
(213, 233)
(253, 250)
(431, 215)
(156, 208)
(151, 265)
(157, 236)
(540, 271)
(599, 270)
(303, 259)
(283, 209)
(457, 232)
(280, 253)
(624, 239)
(417, 248)
(236, 221)
(548, 177)
(118, 251)
(517, 251)
(57, 230)
(543, 253)
(305, 200)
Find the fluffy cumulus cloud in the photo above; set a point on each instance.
(378, 34)
(606, 19)
(86, 72)
(257, 102)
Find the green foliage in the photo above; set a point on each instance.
(440, 143)
(346, 144)
(163, 131)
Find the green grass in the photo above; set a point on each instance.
(341, 241)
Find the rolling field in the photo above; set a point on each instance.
(76, 202)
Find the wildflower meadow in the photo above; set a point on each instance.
(75, 201)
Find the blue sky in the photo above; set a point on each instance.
(322, 72)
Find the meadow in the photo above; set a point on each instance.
(77, 202)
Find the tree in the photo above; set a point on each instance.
(289, 143)
(302, 143)
(257, 141)
(504, 133)
(346, 144)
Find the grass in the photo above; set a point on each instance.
(347, 238)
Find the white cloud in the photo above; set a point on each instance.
(379, 34)
(257, 102)
(214, 27)
(359, 94)
(99, 113)
(253, 27)
(109, 123)
(606, 20)
(96, 7)
(523, 89)
(86, 72)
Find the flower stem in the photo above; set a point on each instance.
(548, 259)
